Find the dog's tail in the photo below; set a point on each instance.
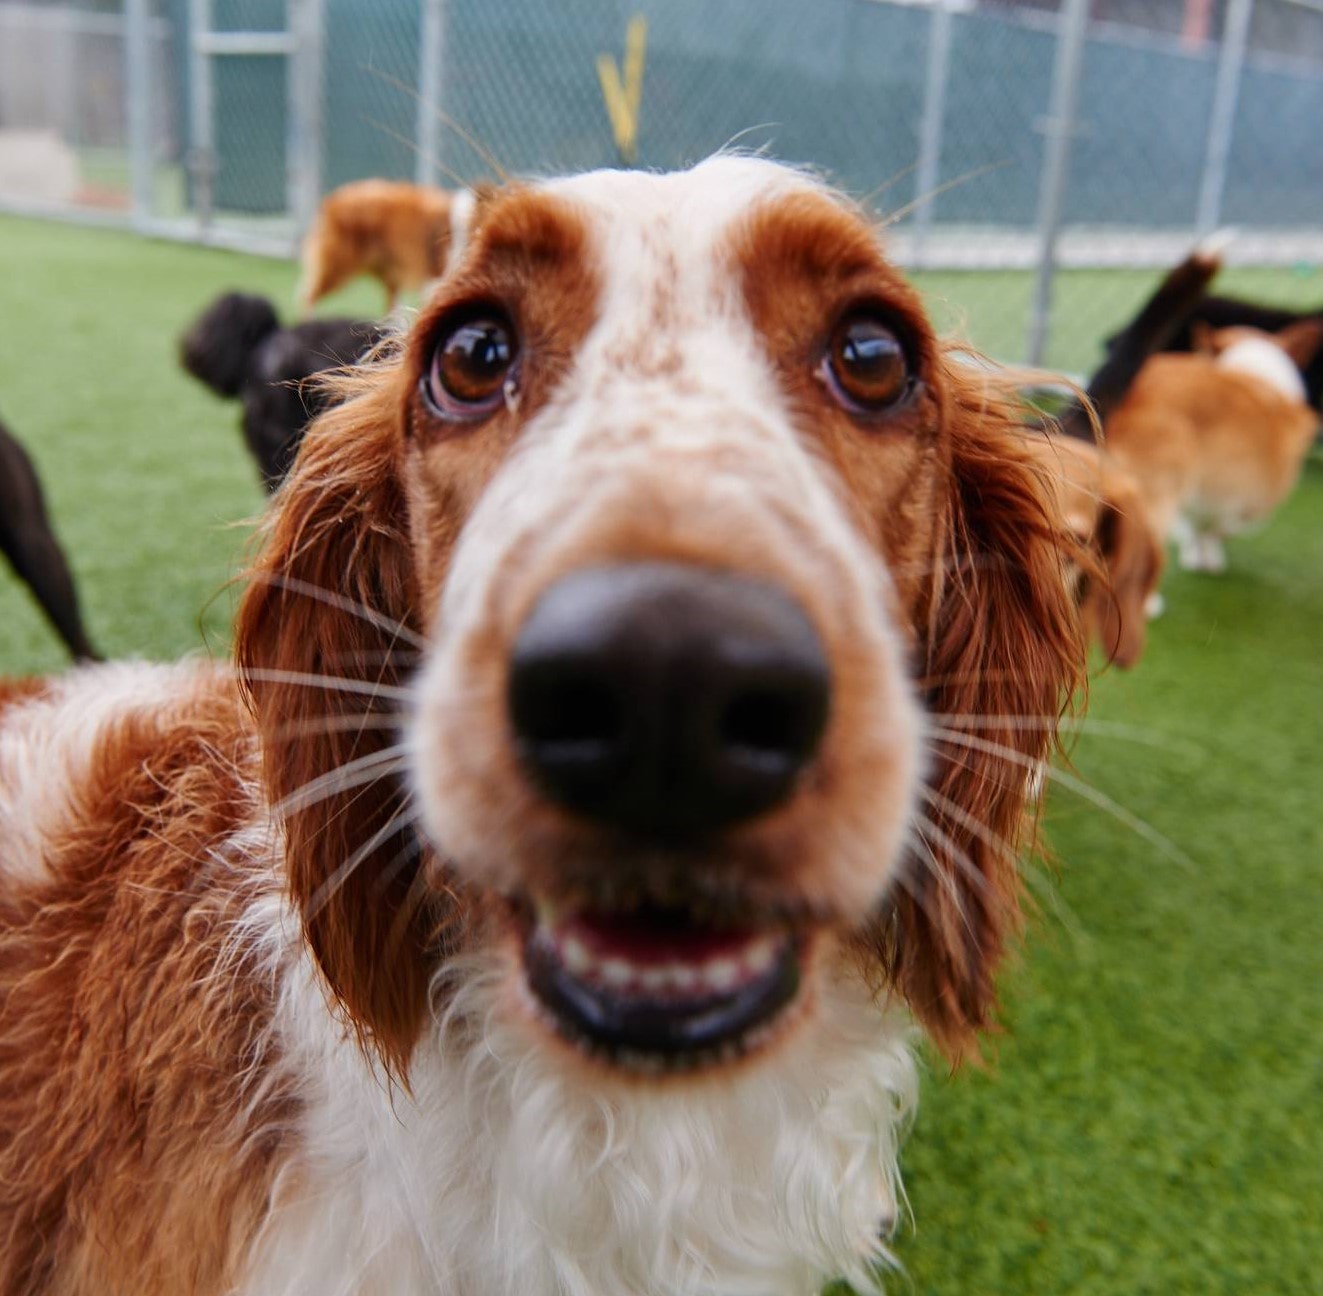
(1158, 320)
(332, 252)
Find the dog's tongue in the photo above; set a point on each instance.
(654, 938)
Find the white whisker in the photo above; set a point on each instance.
(403, 818)
(344, 604)
(352, 774)
(1034, 876)
(1078, 724)
(1139, 826)
(331, 683)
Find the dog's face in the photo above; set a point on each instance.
(713, 559)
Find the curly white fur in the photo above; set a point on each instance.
(502, 1172)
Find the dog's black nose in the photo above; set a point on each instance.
(667, 699)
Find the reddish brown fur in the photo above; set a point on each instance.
(133, 1030)
(1101, 504)
(398, 233)
(14, 691)
(130, 1037)
(1001, 639)
(946, 491)
(372, 513)
(959, 511)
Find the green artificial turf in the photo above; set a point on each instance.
(1150, 1120)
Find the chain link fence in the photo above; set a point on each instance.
(1037, 159)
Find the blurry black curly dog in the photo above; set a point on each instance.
(28, 542)
(238, 349)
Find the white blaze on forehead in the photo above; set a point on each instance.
(672, 367)
(1262, 358)
(702, 201)
(661, 236)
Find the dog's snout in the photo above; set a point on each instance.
(665, 698)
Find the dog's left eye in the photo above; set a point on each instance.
(472, 362)
(865, 367)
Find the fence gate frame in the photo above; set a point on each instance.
(302, 45)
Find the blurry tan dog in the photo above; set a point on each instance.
(1101, 504)
(397, 232)
(1216, 439)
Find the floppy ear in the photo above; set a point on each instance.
(1115, 609)
(322, 632)
(1301, 340)
(1002, 654)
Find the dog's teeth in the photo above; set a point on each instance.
(615, 972)
(574, 954)
(723, 974)
(760, 956)
(685, 978)
(655, 979)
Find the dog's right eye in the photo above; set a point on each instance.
(473, 365)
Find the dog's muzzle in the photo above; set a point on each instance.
(664, 704)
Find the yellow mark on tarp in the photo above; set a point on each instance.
(623, 96)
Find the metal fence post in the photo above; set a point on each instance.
(930, 124)
(1060, 127)
(138, 106)
(1230, 64)
(431, 51)
(201, 114)
(306, 119)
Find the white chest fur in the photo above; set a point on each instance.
(502, 1174)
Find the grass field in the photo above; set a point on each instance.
(1151, 1121)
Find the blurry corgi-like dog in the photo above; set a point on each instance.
(1216, 439)
(397, 232)
(1097, 500)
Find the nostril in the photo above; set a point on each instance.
(566, 717)
(666, 699)
(763, 725)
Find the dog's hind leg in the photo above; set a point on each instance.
(38, 560)
(1189, 550)
(27, 540)
(1212, 554)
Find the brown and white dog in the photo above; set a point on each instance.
(1216, 439)
(1104, 508)
(396, 232)
(627, 740)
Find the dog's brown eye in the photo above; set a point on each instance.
(865, 367)
(472, 367)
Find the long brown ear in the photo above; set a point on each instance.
(321, 634)
(1301, 340)
(1002, 655)
(1116, 609)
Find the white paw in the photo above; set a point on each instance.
(1212, 556)
(1154, 606)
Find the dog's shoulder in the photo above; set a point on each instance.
(105, 751)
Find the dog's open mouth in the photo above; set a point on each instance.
(652, 990)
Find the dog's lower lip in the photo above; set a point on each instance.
(646, 991)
